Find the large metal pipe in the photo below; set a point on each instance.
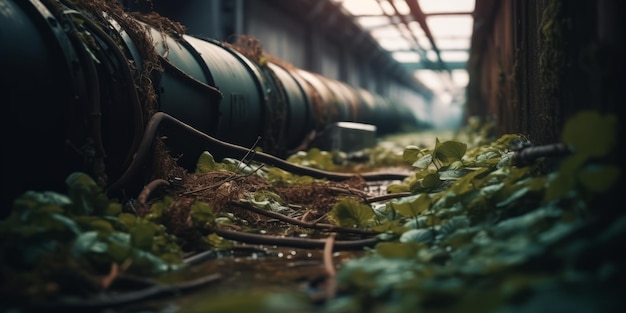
(77, 88)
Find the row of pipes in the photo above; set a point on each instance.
(82, 79)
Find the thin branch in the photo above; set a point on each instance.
(321, 226)
(109, 278)
(230, 178)
(141, 205)
(251, 150)
(388, 197)
(294, 242)
(225, 180)
(115, 299)
(349, 191)
(235, 150)
(329, 267)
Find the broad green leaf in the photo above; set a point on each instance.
(142, 236)
(314, 158)
(460, 237)
(411, 154)
(67, 222)
(535, 183)
(119, 246)
(401, 250)
(421, 235)
(453, 174)
(414, 208)
(590, 133)
(81, 182)
(238, 166)
(267, 200)
(113, 209)
(87, 197)
(88, 242)
(52, 201)
(599, 178)
(202, 213)
(264, 196)
(159, 207)
(94, 223)
(217, 242)
(456, 165)
(281, 177)
(449, 151)
(507, 139)
(206, 163)
(415, 187)
(488, 158)
(350, 213)
(320, 159)
(465, 183)
(145, 262)
(390, 227)
(82, 189)
(127, 219)
(514, 197)
(516, 173)
(572, 163)
(397, 188)
(424, 162)
(560, 186)
(489, 190)
(565, 179)
(431, 181)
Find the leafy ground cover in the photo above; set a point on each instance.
(456, 224)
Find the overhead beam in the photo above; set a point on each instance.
(449, 13)
(412, 38)
(414, 66)
(420, 17)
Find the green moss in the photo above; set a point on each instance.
(551, 51)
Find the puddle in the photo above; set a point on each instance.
(247, 269)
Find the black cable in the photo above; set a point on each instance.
(528, 155)
(235, 151)
(302, 243)
(118, 299)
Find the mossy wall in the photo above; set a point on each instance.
(535, 63)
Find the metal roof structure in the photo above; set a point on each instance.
(425, 41)
(429, 38)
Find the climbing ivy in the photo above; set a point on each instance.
(55, 244)
(496, 235)
(469, 229)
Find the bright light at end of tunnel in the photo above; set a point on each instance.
(460, 78)
(399, 32)
(406, 57)
(450, 26)
(362, 7)
(447, 109)
(440, 81)
(446, 6)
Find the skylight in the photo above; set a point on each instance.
(450, 25)
(446, 6)
(362, 7)
(392, 24)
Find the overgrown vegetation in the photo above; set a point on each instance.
(467, 230)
